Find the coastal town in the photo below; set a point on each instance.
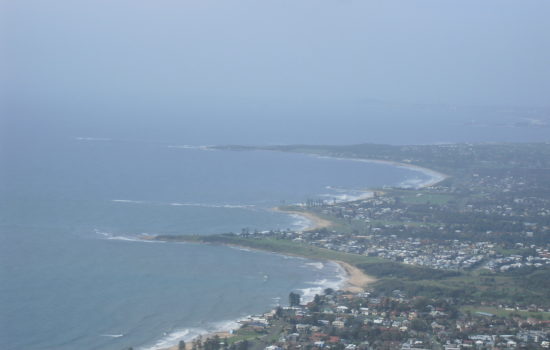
(459, 263)
(446, 254)
(360, 321)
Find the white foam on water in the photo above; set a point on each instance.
(130, 238)
(319, 286)
(200, 147)
(80, 138)
(301, 223)
(230, 206)
(185, 204)
(240, 248)
(317, 265)
(188, 334)
(414, 183)
(127, 201)
(433, 176)
(111, 335)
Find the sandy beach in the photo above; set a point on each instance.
(357, 280)
(189, 344)
(316, 221)
(436, 176)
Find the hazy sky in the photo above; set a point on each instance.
(430, 51)
(161, 55)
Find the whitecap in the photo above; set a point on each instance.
(187, 204)
(434, 176)
(188, 334)
(80, 138)
(240, 248)
(127, 201)
(207, 205)
(317, 265)
(130, 238)
(200, 147)
(320, 285)
(301, 223)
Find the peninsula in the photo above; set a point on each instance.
(461, 261)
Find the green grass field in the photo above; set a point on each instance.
(469, 286)
(501, 312)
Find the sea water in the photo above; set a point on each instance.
(75, 274)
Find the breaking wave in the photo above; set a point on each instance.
(318, 265)
(188, 334)
(185, 204)
(129, 238)
(319, 286)
(230, 206)
(301, 223)
(127, 201)
(201, 148)
(433, 176)
(80, 138)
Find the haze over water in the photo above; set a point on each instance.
(248, 72)
(95, 94)
(76, 275)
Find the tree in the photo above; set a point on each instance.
(317, 299)
(294, 299)
(242, 345)
(419, 325)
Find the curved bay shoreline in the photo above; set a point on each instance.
(356, 280)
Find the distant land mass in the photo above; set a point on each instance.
(464, 260)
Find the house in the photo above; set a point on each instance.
(342, 309)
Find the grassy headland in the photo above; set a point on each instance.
(473, 248)
(494, 201)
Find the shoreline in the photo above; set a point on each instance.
(203, 337)
(316, 222)
(355, 280)
(436, 176)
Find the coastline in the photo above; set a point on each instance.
(355, 281)
(189, 344)
(436, 176)
(316, 222)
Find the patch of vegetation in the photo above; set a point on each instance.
(470, 287)
(277, 246)
(501, 312)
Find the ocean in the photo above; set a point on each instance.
(104, 107)
(76, 275)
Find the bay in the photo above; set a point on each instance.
(75, 275)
